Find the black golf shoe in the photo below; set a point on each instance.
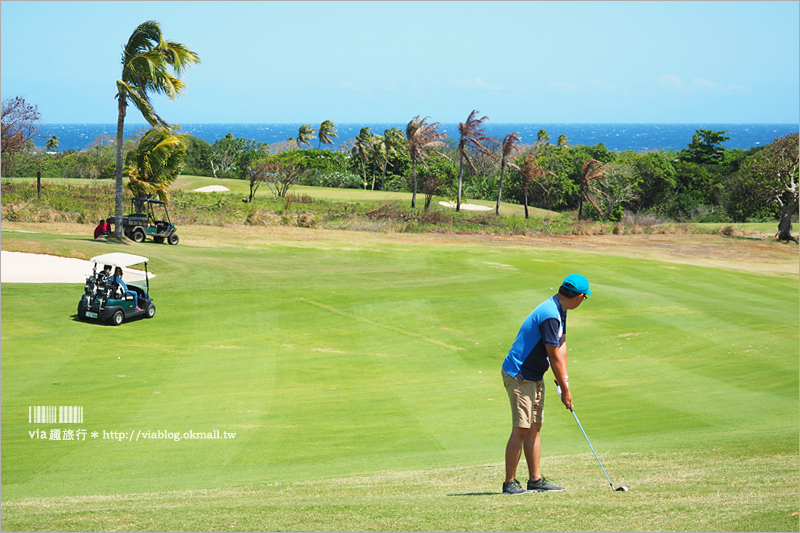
(542, 485)
(513, 487)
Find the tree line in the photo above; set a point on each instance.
(704, 182)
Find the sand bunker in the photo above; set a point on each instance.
(18, 267)
(468, 207)
(212, 188)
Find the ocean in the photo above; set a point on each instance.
(619, 137)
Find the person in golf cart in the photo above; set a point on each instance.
(540, 344)
(125, 291)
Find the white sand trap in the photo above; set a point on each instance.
(468, 207)
(19, 267)
(212, 188)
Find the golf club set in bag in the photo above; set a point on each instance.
(621, 488)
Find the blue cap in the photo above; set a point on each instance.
(577, 283)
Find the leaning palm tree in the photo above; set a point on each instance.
(531, 172)
(155, 163)
(377, 153)
(304, 135)
(592, 170)
(508, 149)
(392, 140)
(149, 65)
(472, 137)
(361, 144)
(542, 136)
(326, 130)
(52, 144)
(423, 139)
(563, 142)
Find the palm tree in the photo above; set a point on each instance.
(361, 145)
(304, 135)
(563, 142)
(52, 144)
(377, 153)
(542, 136)
(423, 139)
(472, 136)
(392, 140)
(326, 130)
(592, 170)
(508, 148)
(155, 163)
(531, 172)
(149, 65)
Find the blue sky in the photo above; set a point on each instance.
(362, 62)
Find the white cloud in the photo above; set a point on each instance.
(702, 84)
(562, 86)
(478, 83)
(607, 87)
(671, 81)
(706, 84)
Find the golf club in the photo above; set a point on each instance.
(620, 488)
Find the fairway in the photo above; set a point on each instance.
(354, 382)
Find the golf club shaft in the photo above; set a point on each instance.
(592, 447)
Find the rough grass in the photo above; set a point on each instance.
(695, 490)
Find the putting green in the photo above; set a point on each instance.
(333, 355)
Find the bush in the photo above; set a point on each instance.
(334, 179)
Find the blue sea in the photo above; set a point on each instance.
(619, 137)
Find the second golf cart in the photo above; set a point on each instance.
(105, 300)
(143, 222)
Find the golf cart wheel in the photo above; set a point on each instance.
(138, 235)
(150, 311)
(159, 240)
(117, 318)
(173, 239)
(81, 313)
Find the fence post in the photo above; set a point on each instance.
(38, 183)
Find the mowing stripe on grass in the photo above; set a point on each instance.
(385, 326)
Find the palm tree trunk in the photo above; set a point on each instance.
(414, 175)
(119, 192)
(500, 191)
(580, 202)
(383, 179)
(373, 175)
(526, 203)
(460, 176)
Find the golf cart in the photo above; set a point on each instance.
(142, 222)
(105, 301)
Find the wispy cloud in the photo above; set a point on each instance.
(607, 87)
(671, 81)
(701, 84)
(562, 86)
(478, 83)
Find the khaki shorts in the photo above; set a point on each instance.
(527, 400)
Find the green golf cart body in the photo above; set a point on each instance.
(143, 222)
(103, 299)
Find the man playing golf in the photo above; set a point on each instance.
(540, 344)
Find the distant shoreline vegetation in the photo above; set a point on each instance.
(616, 137)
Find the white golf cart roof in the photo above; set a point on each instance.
(119, 259)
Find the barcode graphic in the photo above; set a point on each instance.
(55, 414)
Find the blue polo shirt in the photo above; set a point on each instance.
(546, 325)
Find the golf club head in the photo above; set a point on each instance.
(622, 489)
